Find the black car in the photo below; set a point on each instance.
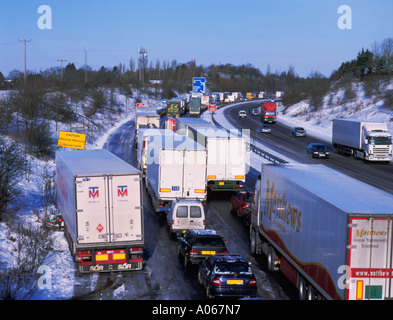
(318, 150)
(196, 245)
(298, 132)
(227, 276)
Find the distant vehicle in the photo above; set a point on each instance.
(241, 200)
(369, 141)
(197, 245)
(318, 150)
(185, 214)
(242, 114)
(255, 112)
(266, 128)
(227, 276)
(298, 132)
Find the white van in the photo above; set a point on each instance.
(185, 214)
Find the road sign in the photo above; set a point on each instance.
(198, 85)
(71, 140)
(212, 108)
(163, 101)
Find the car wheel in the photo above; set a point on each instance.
(200, 281)
(208, 293)
(185, 262)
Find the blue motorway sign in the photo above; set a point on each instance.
(198, 85)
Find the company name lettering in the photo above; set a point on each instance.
(361, 232)
(277, 204)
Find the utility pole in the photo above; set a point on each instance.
(85, 64)
(25, 76)
(61, 69)
(142, 61)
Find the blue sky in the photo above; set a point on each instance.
(302, 33)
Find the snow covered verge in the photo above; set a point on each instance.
(57, 278)
(319, 123)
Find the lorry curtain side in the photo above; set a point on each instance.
(305, 212)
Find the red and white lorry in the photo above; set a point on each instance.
(99, 197)
(328, 233)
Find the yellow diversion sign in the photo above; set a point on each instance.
(71, 140)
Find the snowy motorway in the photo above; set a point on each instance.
(375, 174)
(163, 276)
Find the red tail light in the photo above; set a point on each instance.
(222, 252)
(252, 283)
(216, 282)
(194, 252)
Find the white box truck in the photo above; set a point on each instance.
(99, 197)
(146, 118)
(143, 139)
(176, 169)
(329, 234)
(226, 153)
(366, 140)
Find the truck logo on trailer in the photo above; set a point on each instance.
(93, 192)
(122, 191)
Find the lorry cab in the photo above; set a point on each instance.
(185, 214)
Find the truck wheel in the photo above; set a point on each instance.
(253, 241)
(310, 293)
(302, 288)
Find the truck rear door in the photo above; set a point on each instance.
(171, 173)
(194, 176)
(370, 258)
(217, 158)
(92, 209)
(236, 159)
(125, 211)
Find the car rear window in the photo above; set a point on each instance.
(209, 242)
(182, 212)
(195, 212)
(232, 267)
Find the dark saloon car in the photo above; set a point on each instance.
(318, 150)
(227, 276)
(196, 245)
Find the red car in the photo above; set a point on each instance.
(241, 200)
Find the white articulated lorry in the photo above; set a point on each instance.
(366, 140)
(143, 139)
(226, 153)
(176, 169)
(328, 233)
(99, 196)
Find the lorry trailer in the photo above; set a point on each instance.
(328, 233)
(146, 118)
(366, 140)
(175, 169)
(143, 139)
(226, 153)
(99, 197)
